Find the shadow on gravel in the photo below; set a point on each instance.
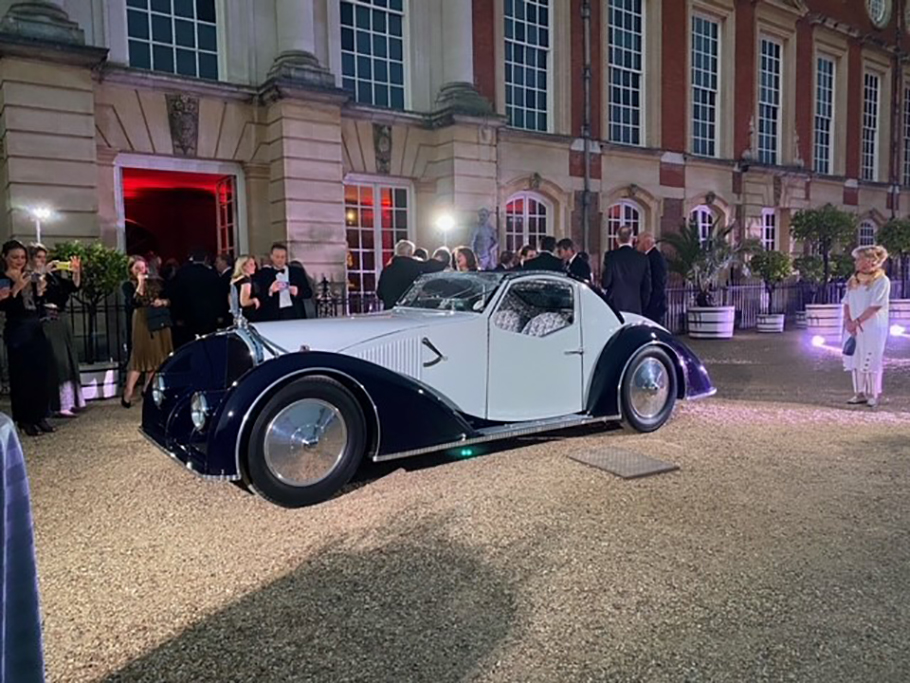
(416, 606)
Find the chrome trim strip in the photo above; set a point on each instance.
(306, 371)
(500, 433)
(189, 466)
(699, 397)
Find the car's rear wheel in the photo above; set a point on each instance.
(648, 390)
(306, 443)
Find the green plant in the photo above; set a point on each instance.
(824, 230)
(810, 268)
(895, 237)
(103, 270)
(773, 267)
(702, 262)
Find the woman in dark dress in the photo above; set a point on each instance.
(22, 298)
(244, 288)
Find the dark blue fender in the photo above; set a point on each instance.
(692, 377)
(402, 414)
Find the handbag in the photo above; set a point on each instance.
(849, 346)
(158, 318)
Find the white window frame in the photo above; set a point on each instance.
(825, 113)
(706, 217)
(866, 233)
(766, 155)
(405, 54)
(770, 235)
(642, 83)
(870, 138)
(377, 183)
(525, 236)
(714, 141)
(548, 111)
(613, 225)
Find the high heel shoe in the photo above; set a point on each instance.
(125, 403)
(45, 427)
(31, 430)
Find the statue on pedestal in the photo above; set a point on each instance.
(484, 242)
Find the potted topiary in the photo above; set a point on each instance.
(103, 270)
(773, 267)
(701, 263)
(824, 230)
(895, 237)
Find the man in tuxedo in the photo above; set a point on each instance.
(284, 289)
(575, 264)
(195, 292)
(627, 275)
(224, 266)
(657, 305)
(545, 259)
(397, 277)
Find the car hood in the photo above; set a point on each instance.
(339, 334)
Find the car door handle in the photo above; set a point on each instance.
(575, 352)
(439, 357)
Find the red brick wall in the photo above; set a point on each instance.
(744, 89)
(854, 107)
(485, 48)
(597, 70)
(674, 59)
(805, 91)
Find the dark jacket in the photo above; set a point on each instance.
(271, 303)
(580, 268)
(196, 294)
(657, 305)
(397, 277)
(545, 261)
(627, 279)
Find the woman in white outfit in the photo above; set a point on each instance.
(866, 319)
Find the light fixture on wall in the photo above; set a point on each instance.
(445, 222)
(40, 213)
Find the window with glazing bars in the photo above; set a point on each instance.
(705, 84)
(769, 230)
(625, 61)
(527, 63)
(173, 36)
(372, 51)
(824, 114)
(869, 168)
(769, 95)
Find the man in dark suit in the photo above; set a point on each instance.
(627, 275)
(657, 305)
(575, 264)
(545, 259)
(397, 277)
(224, 266)
(283, 288)
(196, 293)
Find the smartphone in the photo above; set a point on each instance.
(282, 285)
(64, 265)
(5, 283)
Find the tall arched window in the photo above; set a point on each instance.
(867, 231)
(705, 217)
(526, 220)
(619, 214)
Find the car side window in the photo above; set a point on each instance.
(536, 308)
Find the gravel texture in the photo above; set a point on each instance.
(778, 552)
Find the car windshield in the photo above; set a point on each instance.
(470, 292)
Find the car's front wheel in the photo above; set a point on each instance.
(306, 443)
(648, 389)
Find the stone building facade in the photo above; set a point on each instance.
(340, 126)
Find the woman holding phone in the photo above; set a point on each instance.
(27, 347)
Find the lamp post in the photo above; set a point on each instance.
(445, 223)
(40, 214)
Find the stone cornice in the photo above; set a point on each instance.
(276, 89)
(70, 54)
(142, 79)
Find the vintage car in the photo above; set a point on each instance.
(291, 409)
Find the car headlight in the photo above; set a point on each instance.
(199, 410)
(158, 390)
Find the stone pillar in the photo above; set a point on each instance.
(297, 61)
(458, 95)
(42, 20)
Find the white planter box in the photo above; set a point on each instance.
(771, 322)
(825, 320)
(714, 322)
(99, 381)
(801, 322)
(900, 312)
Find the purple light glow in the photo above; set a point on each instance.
(818, 341)
(898, 330)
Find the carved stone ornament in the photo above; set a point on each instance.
(534, 182)
(709, 198)
(632, 191)
(382, 142)
(183, 117)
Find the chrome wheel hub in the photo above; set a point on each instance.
(650, 388)
(305, 442)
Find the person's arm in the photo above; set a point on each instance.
(880, 294)
(849, 324)
(660, 275)
(646, 285)
(246, 296)
(607, 277)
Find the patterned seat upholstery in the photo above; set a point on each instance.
(544, 324)
(510, 321)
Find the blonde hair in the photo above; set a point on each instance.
(133, 260)
(878, 255)
(240, 265)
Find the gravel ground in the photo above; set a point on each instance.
(778, 552)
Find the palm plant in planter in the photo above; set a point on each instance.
(824, 230)
(103, 270)
(773, 267)
(895, 237)
(701, 262)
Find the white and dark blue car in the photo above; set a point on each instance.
(291, 409)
